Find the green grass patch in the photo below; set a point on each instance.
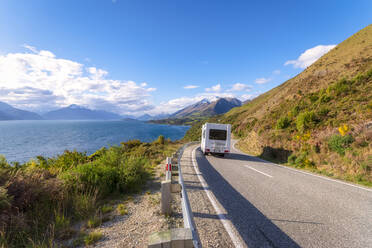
(92, 238)
(339, 144)
(122, 209)
(283, 123)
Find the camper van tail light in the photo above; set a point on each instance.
(207, 150)
(226, 151)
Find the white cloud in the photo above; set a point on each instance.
(41, 81)
(31, 48)
(246, 97)
(215, 88)
(262, 80)
(310, 56)
(276, 72)
(240, 87)
(191, 87)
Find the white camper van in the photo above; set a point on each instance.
(216, 138)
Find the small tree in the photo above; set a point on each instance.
(160, 140)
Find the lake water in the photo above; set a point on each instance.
(23, 140)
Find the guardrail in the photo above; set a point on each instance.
(188, 218)
(179, 237)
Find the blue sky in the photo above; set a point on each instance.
(137, 56)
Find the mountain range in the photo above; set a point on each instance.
(76, 112)
(206, 108)
(8, 112)
(200, 111)
(203, 108)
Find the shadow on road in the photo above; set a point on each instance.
(243, 157)
(254, 227)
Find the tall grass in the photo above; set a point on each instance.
(42, 198)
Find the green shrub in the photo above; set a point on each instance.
(339, 144)
(3, 162)
(122, 209)
(301, 160)
(106, 209)
(342, 86)
(295, 110)
(283, 123)
(306, 121)
(324, 98)
(5, 199)
(94, 222)
(313, 97)
(131, 143)
(135, 173)
(292, 159)
(160, 140)
(62, 225)
(84, 203)
(323, 111)
(92, 238)
(94, 176)
(63, 162)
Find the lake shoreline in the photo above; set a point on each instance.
(23, 140)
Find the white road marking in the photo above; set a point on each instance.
(310, 174)
(229, 227)
(263, 173)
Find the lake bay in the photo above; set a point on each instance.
(23, 140)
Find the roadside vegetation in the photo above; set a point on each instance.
(41, 200)
(327, 131)
(186, 121)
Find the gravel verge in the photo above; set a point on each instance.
(142, 219)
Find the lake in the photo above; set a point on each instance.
(23, 140)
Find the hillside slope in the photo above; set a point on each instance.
(320, 120)
(7, 112)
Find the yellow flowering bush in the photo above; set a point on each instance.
(343, 129)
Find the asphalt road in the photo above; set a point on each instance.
(275, 206)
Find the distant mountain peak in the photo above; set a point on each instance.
(74, 106)
(207, 108)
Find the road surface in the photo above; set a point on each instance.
(243, 201)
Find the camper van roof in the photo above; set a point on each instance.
(216, 125)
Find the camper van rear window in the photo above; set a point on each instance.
(217, 134)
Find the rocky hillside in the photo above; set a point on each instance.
(206, 108)
(320, 120)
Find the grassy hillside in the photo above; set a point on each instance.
(42, 199)
(320, 120)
